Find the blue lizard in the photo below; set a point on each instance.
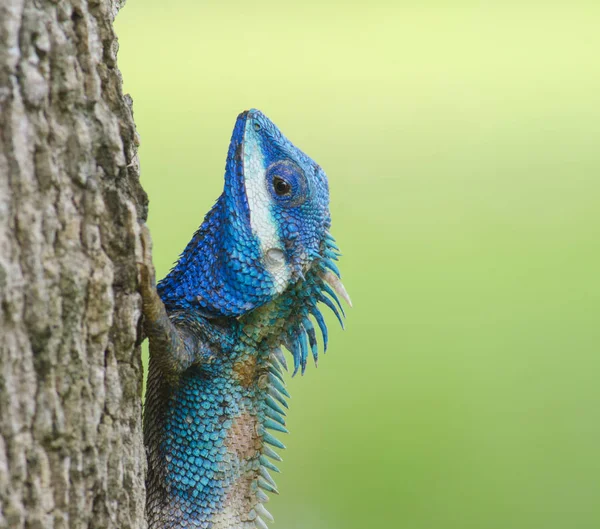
(247, 284)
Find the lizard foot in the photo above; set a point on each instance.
(152, 306)
(147, 274)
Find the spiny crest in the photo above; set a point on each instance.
(321, 285)
(273, 420)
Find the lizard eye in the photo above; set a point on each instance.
(281, 187)
(287, 183)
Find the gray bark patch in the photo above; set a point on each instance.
(71, 451)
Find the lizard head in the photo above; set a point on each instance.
(287, 198)
(288, 201)
(265, 233)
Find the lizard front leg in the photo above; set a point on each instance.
(168, 346)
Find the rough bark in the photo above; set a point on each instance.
(71, 452)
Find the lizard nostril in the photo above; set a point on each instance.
(256, 126)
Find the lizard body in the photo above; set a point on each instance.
(246, 284)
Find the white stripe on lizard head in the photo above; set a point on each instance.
(261, 220)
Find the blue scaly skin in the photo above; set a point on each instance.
(248, 283)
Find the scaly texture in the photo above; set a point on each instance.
(247, 283)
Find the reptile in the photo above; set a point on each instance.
(250, 282)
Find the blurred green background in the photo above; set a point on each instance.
(461, 140)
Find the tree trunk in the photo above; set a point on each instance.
(71, 451)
